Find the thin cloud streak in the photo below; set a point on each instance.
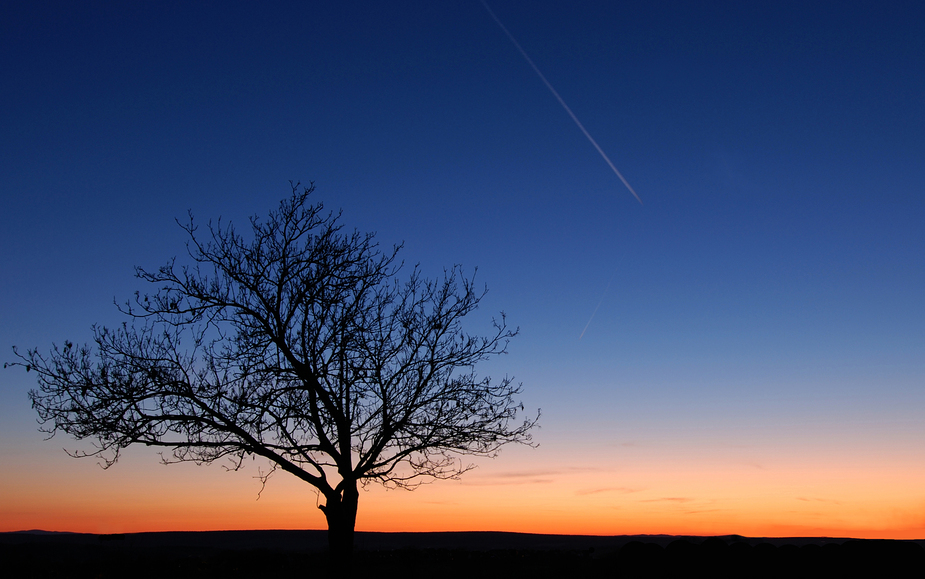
(623, 490)
(561, 102)
(700, 512)
(528, 477)
(817, 500)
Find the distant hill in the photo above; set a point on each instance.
(228, 554)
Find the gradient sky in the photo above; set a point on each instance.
(756, 365)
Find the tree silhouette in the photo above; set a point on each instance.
(300, 345)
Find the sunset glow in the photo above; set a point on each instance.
(742, 354)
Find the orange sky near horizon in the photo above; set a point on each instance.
(779, 498)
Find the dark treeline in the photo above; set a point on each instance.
(451, 555)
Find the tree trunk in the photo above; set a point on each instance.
(341, 514)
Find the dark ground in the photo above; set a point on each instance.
(254, 554)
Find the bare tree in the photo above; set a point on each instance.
(300, 345)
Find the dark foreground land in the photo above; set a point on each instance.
(255, 554)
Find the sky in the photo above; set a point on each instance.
(741, 352)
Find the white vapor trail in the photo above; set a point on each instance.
(598, 304)
(561, 102)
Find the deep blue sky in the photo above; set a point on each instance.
(770, 286)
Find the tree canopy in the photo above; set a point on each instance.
(301, 343)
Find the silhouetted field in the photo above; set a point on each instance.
(254, 554)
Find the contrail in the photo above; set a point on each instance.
(599, 303)
(561, 102)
